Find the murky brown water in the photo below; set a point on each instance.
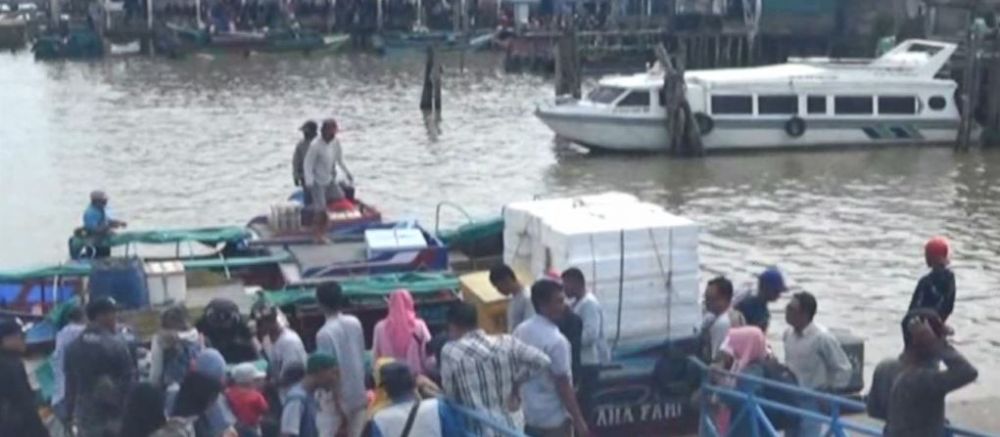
(204, 142)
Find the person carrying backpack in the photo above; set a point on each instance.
(173, 348)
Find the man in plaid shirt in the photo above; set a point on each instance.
(485, 371)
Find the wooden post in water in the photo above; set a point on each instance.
(970, 83)
(567, 64)
(684, 134)
(430, 97)
(991, 132)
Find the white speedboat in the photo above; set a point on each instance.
(806, 102)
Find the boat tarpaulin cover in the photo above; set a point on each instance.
(371, 287)
(73, 269)
(473, 231)
(211, 236)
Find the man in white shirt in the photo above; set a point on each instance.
(76, 324)
(720, 316)
(593, 347)
(550, 406)
(320, 170)
(519, 307)
(342, 337)
(286, 345)
(814, 355)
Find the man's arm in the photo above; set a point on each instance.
(449, 375)
(877, 399)
(958, 373)
(949, 298)
(340, 162)
(308, 164)
(560, 373)
(837, 364)
(918, 294)
(291, 416)
(530, 358)
(568, 397)
(591, 316)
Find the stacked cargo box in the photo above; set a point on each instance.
(640, 261)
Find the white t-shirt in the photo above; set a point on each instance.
(287, 349)
(542, 406)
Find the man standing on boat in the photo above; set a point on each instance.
(98, 224)
(309, 131)
(320, 172)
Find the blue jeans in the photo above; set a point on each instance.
(807, 427)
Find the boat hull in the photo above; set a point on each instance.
(649, 134)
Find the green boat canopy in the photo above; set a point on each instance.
(211, 236)
(472, 231)
(64, 270)
(377, 286)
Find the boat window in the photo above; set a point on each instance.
(636, 98)
(897, 105)
(937, 103)
(732, 105)
(605, 94)
(786, 104)
(816, 105)
(853, 105)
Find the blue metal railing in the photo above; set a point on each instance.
(749, 411)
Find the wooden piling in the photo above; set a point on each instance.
(971, 95)
(684, 137)
(567, 80)
(430, 97)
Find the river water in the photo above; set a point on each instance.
(207, 141)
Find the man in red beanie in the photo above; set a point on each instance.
(936, 290)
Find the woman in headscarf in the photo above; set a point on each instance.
(401, 335)
(743, 351)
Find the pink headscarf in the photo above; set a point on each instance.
(401, 323)
(746, 345)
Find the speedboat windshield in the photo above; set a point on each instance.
(605, 94)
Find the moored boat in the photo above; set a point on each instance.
(804, 103)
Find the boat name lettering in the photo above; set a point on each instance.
(615, 415)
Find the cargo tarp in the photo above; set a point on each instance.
(473, 231)
(210, 236)
(370, 287)
(46, 272)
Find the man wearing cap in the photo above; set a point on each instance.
(770, 285)
(430, 417)
(309, 131)
(342, 336)
(98, 223)
(286, 345)
(298, 417)
(246, 400)
(936, 290)
(99, 372)
(18, 409)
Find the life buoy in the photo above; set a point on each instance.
(795, 127)
(704, 122)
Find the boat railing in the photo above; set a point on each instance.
(437, 214)
(749, 410)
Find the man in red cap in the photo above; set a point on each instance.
(936, 290)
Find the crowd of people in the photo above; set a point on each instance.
(907, 392)
(203, 379)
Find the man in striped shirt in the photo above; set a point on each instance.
(485, 371)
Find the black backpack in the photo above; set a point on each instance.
(775, 371)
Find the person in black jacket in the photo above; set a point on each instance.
(18, 406)
(100, 371)
(936, 290)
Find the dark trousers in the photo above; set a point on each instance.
(564, 430)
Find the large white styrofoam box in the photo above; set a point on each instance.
(166, 282)
(641, 262)
(393, 240)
